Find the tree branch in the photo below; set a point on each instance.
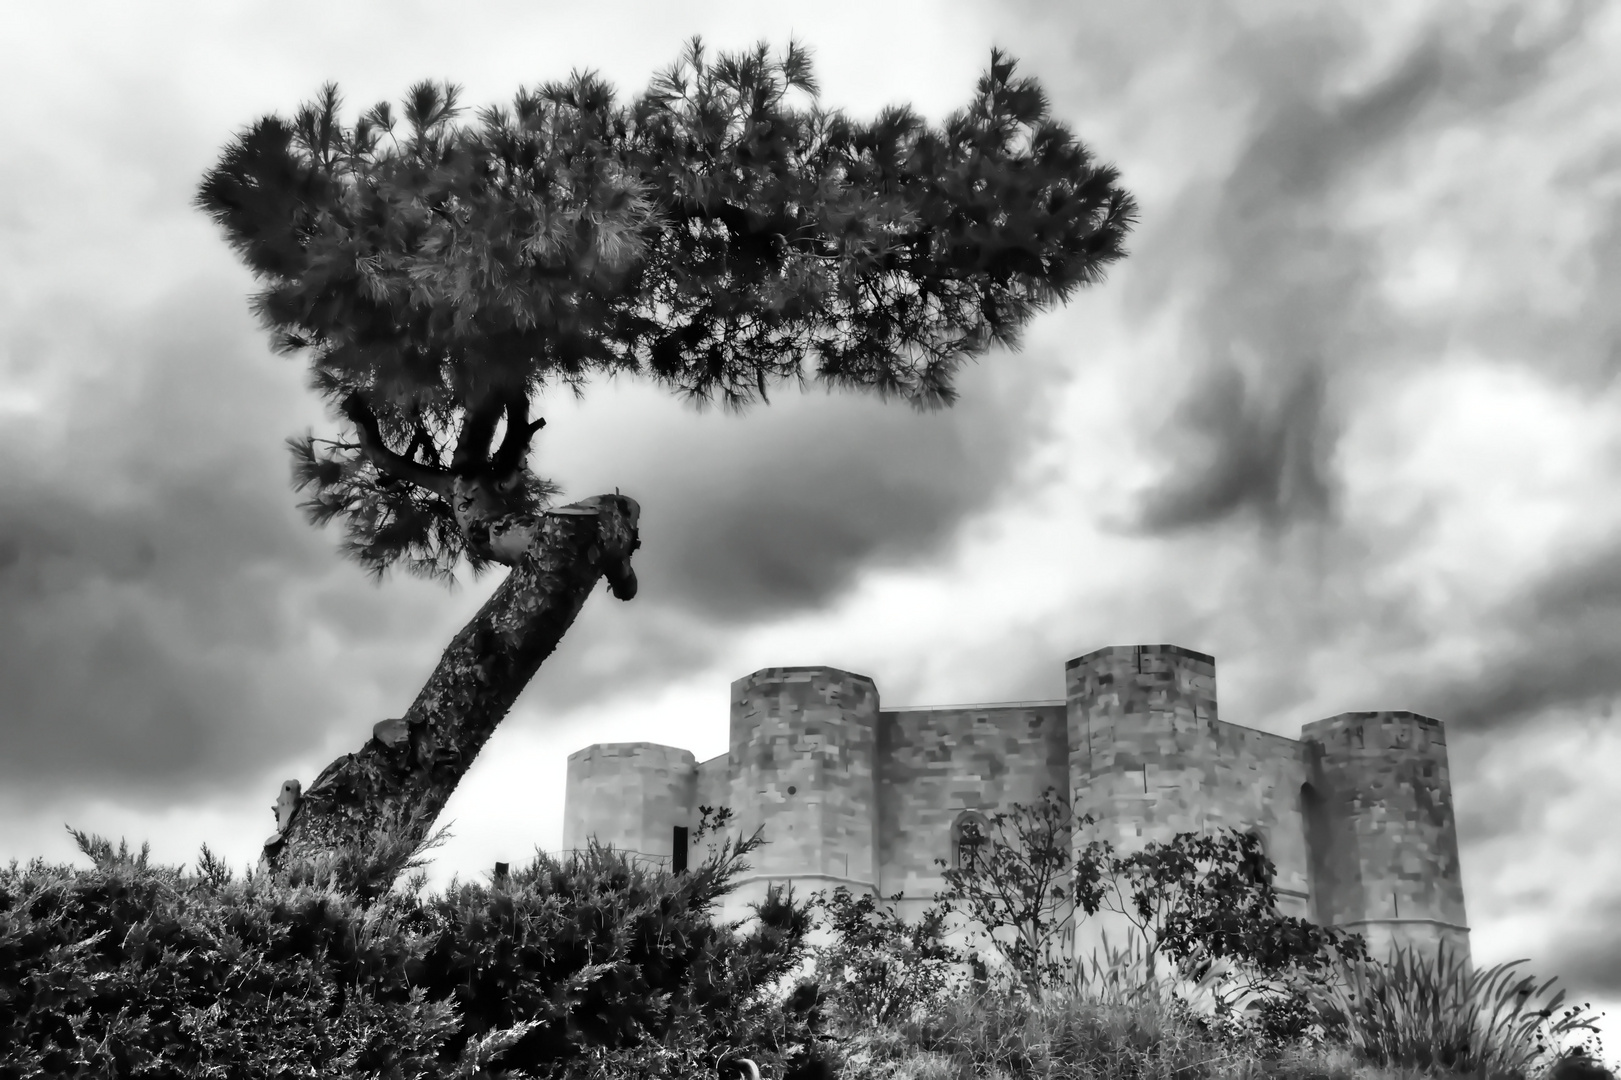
(387, 461)
(478, 428)
(509, 458)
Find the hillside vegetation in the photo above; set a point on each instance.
(594, 966)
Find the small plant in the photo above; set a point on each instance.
(1420, 1014)
(1202, 899)
(881, 968)
(1016, 885)
(1197, 900)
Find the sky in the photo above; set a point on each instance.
(1346, 418)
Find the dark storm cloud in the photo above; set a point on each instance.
(1287, 300)
(747, 520)
(616, 650)
(1566, 635)
(147, 543)
(756, 518)
(1262, 456)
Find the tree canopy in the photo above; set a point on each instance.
(721, 233)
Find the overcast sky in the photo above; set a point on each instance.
(1345, 418)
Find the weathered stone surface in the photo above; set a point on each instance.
(633, 796)
(1356, 814)
(802, 765)
(935, 764)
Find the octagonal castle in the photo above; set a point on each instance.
(1356, 814)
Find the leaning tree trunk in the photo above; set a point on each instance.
(405, 773)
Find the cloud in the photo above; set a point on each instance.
(1559, 636)
(1286, 279)
(1285, 300)
(1266, 457)
(779, 513)
(776, 514)
(146, 550)
(1587, 953)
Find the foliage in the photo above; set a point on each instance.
(364, 869)
(1058, 1035)
(131, 969)
(1206, 897)
(1066, 1035)
(1421, 1014)
(1019, 883)
(881, 967)
(1198, 900)
(1206, 902)
(601, 968)
(719, 233)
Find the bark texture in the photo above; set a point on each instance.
(408, 769)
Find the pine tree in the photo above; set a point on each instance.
(721, 234)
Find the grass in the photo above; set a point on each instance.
(1410, 1020)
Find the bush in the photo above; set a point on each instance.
(1416, 1013)
(596, 967)
(879, 968)
(1197, 900)
(567, 968)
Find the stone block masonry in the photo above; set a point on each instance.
(1356, 814)
(802, 766)
(629, 795)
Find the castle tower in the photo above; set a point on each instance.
(802, 748)
(1142, 722)
(1141, 725)
(1380, 831)
(633, 796)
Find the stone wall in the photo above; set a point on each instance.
(936, 763)
(1356, 815)
(1256, 777)
(1389, 866)
(714, 785)
(802, 753)
(630, 795)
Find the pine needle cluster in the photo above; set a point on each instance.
(720, 233)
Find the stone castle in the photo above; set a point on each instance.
(1356, 814)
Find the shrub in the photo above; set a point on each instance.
(1018, 883)
(133, 969)
(566, 967)
(1415, 1013)
(880, 968)
(1196, 900)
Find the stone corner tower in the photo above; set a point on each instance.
(1140, 721)
(1381, 831)
(638, 797)
(803, 742)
